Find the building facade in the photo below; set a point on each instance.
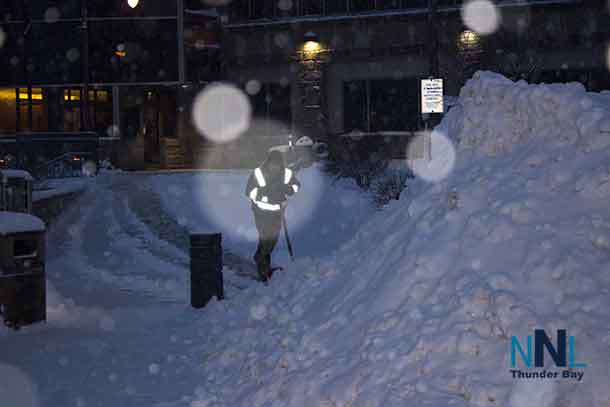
(363, 75)
(82, 73)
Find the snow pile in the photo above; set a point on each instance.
(419, 308)
(565, 113)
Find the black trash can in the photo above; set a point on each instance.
(22, 269)
(206, 268)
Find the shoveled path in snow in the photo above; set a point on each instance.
(148, 207)
(118, 307)
(107, 249)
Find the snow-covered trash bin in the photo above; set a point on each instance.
(22, 269)
(16, 191)
(206, 268)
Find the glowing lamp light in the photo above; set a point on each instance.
(133, 3)
(311, 47)
(469, 39)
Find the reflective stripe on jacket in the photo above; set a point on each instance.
(268, 192)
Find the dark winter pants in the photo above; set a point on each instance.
(268, 224)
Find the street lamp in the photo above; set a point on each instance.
(311, 46)
(469, 41)
(469, 51)
(133, 3)
(311, 56)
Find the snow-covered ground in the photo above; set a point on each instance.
(416, 309)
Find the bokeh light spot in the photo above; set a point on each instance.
(2, 37)
(72, 55)
(89, 168)
(481, 16)
(221, 112)
(441, 160)
(51, 15)
(113, 131)
(281, 40)
(285, 5)
(253, 87)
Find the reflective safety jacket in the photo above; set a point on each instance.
(268, 191)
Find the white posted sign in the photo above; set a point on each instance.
(432, 96)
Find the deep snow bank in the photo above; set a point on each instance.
(418, 309)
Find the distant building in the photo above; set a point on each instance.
(373, 54)
(82, 70)
(78, 73)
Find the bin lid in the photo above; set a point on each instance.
(16, 222)
(16, 174)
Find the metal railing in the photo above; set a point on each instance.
(376, 9)
(67, 165)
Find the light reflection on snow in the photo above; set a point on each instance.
(221, 112)
(481, 16)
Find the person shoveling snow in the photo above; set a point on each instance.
(268, 188)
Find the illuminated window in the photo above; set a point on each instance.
(71, 95)
(36, 94)
(8, 108)
(40, 121)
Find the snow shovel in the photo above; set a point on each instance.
(284, 214)
(287, 237)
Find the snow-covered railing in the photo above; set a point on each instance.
(66, 165)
